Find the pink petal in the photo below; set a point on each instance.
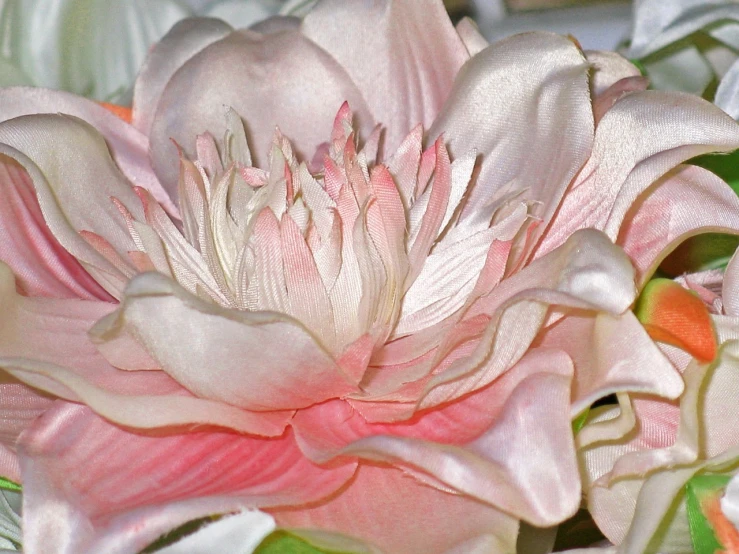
(92, 487)
(264, 356)
(62, 178)
(588, 272)
(182, 42)
(524, 105)
(45, 344)
(687, 201)
(280, 79)
(399, 514)
(41, 264)
(476, 445)
(612, 354)
(20, 406)
(412, 49)
(128, 147)
(608, 69)
(641, 138)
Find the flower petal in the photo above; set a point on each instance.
(399, 514)
(642, 137)
(92, 487)
(181, 43)
(476, 445)
(666, 216)
(246, 349)
(413, 50)
(524, 105)
(128, 148)
(62, 176)
(280, 79)
(42, 266)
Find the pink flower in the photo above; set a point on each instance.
(350, 337)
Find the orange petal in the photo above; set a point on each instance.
(121, 111)
(725, 532)
(676, 316)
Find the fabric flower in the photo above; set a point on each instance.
(639, 485)
(339, 323)
(96, 47)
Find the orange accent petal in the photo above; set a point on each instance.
(725, 532)
(126, 114)
(676, 316)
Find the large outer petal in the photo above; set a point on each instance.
(401, 515)
(128, 147)
(612, 354)
(479, 445)
(280, 79)
(524, 105)
(687, 201)
(642, 137)
(91, 487)
(412, 49)
(44, 343)
(75, 179)
(181, 43)
(43, 267)
(269, 360)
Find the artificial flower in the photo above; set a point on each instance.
(658, 485)
(342, 331)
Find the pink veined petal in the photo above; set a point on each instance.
(128, 147)
(605, 101)
(612, 354)
(182, 42)
(115, 491)
(246, 349)
(488, 459)
(524, 105)
(280, 79)
(41, 264)
(62, 176)
(667, 215)
(399, 514)
(588, 272)
(20, 406)
(664, 129)
(412, 48)
(45, 343)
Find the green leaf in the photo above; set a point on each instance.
(701, 532)
(281, 542)
(9, 485)
(579, 422)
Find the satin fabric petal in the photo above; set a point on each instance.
(109, 490)
(612, 354)
(182, 42)
(615, 177)
(477, 445)
(44, 343)
(413, 49)
(381, 506)
(666, 216)
(61, 178)
(20, 406)
(511, 103)
(42, 266)
(240, 71)
(128, 148)
(241, 348)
